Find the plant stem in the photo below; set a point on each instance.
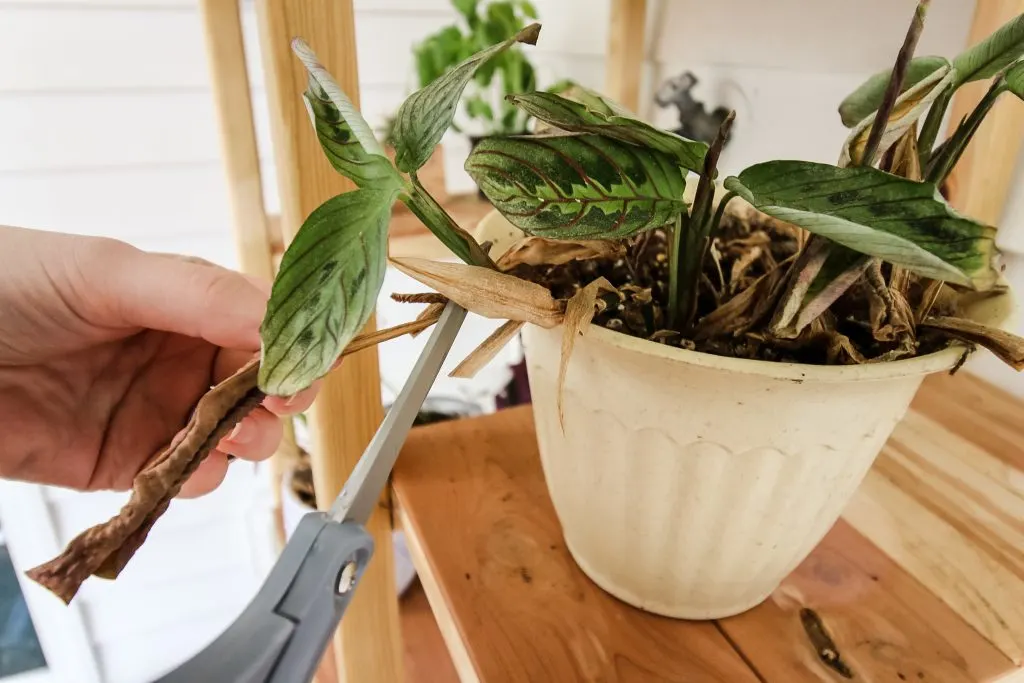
(684, 282)
(426, 208)
(930, 127)
(951, 152)
(682, 223)
(892, 91)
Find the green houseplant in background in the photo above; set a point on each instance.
(483, 24)
(715, 363)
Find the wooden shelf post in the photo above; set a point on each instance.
(225, 49)
(348, 410)
(980, 183)
(626, 49)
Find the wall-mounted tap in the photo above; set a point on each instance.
(695, 122)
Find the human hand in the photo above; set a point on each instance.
(105, 349)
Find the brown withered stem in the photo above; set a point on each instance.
(892, 91)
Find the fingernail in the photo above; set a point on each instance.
(239, 434)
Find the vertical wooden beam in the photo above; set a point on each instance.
(980, 183)
(225, 51)
(349, 409)
(626, 49)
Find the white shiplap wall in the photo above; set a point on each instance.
(107, 126)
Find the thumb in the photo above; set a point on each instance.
(182, 295)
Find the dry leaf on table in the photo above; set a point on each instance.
(106, 548)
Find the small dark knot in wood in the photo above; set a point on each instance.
(823, 644)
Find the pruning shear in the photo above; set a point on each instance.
(282, 634)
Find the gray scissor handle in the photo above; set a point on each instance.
(282, 634)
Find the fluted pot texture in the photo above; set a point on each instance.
(690, 485)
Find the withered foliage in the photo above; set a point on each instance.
(105, 549)
(745, 273)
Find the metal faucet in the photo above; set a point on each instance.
(695, 122)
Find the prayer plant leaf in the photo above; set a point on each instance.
(325, 290)
(991, 55)
(908, 108)
(333, 92)
(901, 221)
(578, 186)
(341, 147)
(567, 115)
(1014, 78)
(865, 100)
(424, 117)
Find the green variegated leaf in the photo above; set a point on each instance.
(578, 186)
(991, 55)
(909, 107)
(325, 290)
(341, 147)
(1015, 80)
(567, 115)
(879, 214)
(360, 129)
(866, 99)
(424, 117)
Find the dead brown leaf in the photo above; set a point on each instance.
(1008, 347)
(488, 349)
(578, 314)
(106, 548)
(485, 291)
(540, 251)
(746, 309)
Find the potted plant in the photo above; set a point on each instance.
(714, 364)
(485, 111)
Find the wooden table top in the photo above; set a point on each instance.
(513, 606)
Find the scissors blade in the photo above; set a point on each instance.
(363, 489)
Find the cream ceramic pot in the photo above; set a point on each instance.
(689, 484)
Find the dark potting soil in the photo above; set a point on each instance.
(746, 268)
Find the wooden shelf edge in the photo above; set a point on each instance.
(435, 596)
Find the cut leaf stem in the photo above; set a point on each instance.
(892, 91)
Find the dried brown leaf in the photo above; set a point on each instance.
(431, 311)
(746, 309)
(485, 291)
(106, 548)
(737, 275)
(807, 267)
(1008, 347)
(578, 314)
(540, 251)
(488, 349)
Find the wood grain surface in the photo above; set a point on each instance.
(472, 496)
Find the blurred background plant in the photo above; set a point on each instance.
(485, 111)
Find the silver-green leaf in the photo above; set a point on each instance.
(424, 117)
(1014, 78)
(567, 115)
(578, 186)
(348, 112)
(340, 146)
(326, 289)
(879, 214)
(865, 100)
(992, 55)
